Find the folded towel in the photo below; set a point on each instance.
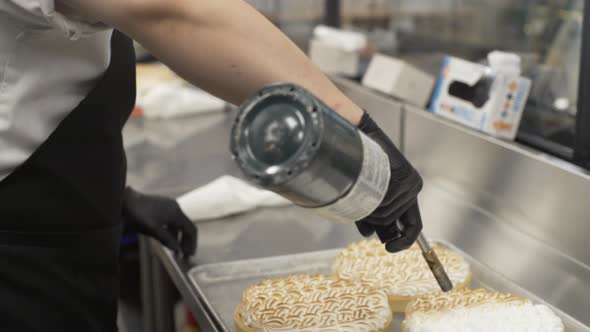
(226, 196)
(350, 41)
(169, 100)
(161, 94)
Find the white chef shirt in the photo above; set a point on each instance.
(48, 64)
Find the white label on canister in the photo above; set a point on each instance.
(369, 189)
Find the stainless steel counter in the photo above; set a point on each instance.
(172, 157)
(269, 232)
(262, 233)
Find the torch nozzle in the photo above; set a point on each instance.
(434, 264)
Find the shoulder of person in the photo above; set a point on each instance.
(44, 14)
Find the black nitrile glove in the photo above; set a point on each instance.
(400, 202)
(160, 218)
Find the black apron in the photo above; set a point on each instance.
(60, 214)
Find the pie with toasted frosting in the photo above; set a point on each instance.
(404, 275)
(312, 304)
(478, 310)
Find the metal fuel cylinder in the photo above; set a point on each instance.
(286, 140)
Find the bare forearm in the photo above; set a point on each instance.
(227, 48)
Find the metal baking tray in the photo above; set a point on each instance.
(220, 285)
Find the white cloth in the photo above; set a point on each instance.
(162, 94)
(170, 100)
(48, 64)
(505, 62)
(349, 41)
(226, 196)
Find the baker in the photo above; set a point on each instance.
(67, 86)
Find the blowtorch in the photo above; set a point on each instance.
(286, 140)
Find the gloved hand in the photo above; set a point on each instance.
(395, 223)
(160, 218)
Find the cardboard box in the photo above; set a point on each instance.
(399, 79)
(334, 60)
(477, 96)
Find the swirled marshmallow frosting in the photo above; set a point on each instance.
(313, 304)
(404, 274)
(481, 311)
